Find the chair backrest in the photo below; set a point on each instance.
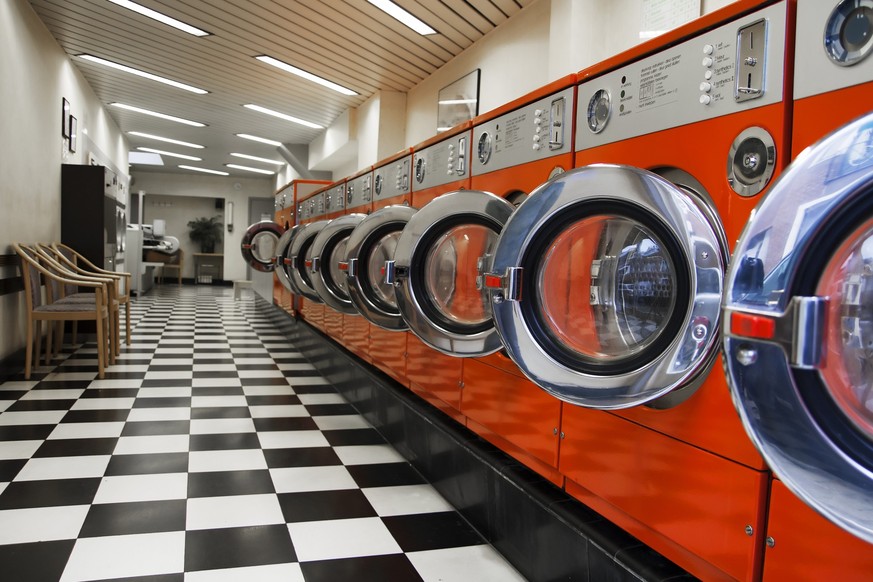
(31, 276)
(57, 261)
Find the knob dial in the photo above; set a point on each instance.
(599, 109)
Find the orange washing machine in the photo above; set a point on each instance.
(798, 313)
(370, 245)
(516, 148)
(356, 329)
(334, 207)
(606, 283)
(439, 165)
(286, 217)
(312, 211)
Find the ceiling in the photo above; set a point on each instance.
(349, 42)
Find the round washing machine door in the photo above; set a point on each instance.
(328, 263)
(370, 246)
(283, 259)
(606, 286)
(437, 270)
(259, 245)
(798, 338)
(298, 268)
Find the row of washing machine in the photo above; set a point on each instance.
(599, 276)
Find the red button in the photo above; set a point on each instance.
(493, 281)
(753, 326)
(343, 266)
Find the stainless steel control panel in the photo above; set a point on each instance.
(732, 68)
(335, 199)
(393, 179)
(533, 132)
(359, 190)
(441, 163)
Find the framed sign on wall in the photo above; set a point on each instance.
(458, 101)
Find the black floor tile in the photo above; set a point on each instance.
(166, 383)
(213, 375)
(36, 562)
(323, 505)
(431, 531)
(302, 457)
(156, 427)
(273, 400)
(111, 519)
(314, 389)
(30, 432)
(221, 442)
(108, 415)
(212, 361)
(286, 423)
(160, 402)
(110, 393)
(393, 567)
(178, 577)
(76, 447)
(32, 405)
(221, 483)
(330, 409)
(62, 384)
(356, 436)
(49, 493)
(10, 394)
(220, 412)
(257, 367)
(238, 547)
(9, 468)
(126, 375)
(263, 381)
(147, 464)
(385, 475)
(217, 391)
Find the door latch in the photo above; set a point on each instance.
(507, 287)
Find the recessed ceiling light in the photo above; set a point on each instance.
(160, 17)
(166, 139)
(283, 116)
(139, 73)
(248, 169)
(156, 114)
(171, 154)
(306, 75)
(259, 139)
(257, 159)
(196, 169)
(395, 11)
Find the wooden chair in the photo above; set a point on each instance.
(39, 310)
(177, 263)
(82, 265)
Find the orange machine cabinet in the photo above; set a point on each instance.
(355, 330)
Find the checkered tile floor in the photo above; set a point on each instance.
(212, 451)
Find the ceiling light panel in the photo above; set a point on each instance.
(259, 139)
(398, 13)
(156, 114)
(250, 169)
(171, 154)
(257, 159)
(205, 170)
(166, 139)
(284, 116)
(163, 18)
(139, 73)
(305, 74)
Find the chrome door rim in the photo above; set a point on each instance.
(328, 236)
(299, 246)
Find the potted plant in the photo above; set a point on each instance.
(206, 232)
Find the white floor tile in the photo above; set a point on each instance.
(221, 425)
(217, 401)
(166, 413)
(229, 460)
(122, 367)
(174, 375)
(271, 573)
(102, 404)
(174, 351)
(115, 383)
(406, 500)
(4, 404)
(341, 422)
(133, 445)
(457, 564)
(292, 439)
(170, 392)
(71, 375)
(268, 390)
(215, 367)
(212, 382)
(129, 488)
(297, 479)
(368, 454)
(126, 556)
(39, 524)
(341, 538)
(32, 417)
(87, 430)
(296, 367)
(173, 361)
(278, 411)
(18, 385)
(322, 398)
(261, 374)
(63, 468)
(264, 360)
(52, 394)
(18, 449)
(233, 511)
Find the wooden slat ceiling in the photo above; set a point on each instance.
(349, 42)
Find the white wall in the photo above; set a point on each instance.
(35, 74)
(232, 189)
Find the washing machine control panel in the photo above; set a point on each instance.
(536, 131)
(334, 199)
(732, 68)
(443, 162)
(393, 179)
(314, 206)
(359, 190)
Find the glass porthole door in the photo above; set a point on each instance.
(328, 263)
(259, 245)
(298, 269)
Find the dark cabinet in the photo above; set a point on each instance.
(92, 219)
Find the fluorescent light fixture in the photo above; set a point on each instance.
(166, 139)
(259, 139)
(306, 75)
(457, 101)
(283, 116)
(398, 13)
(144, 159)
(196, 169)
(249, 169)
(171, 154)
(156, 114)
(257, 159)
(160, 17)
(139, 73)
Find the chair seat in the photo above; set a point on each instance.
(77, 298)
(59, 307)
